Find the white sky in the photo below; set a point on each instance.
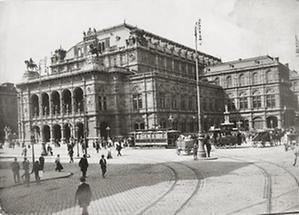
(231, 29)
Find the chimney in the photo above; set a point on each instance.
(276, 59)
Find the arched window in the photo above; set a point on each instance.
(217, 82)
(254, 78)
(268, 76)
(256, 100)
(241, 80)
(270, 99)
(228, 81)
(243, 101)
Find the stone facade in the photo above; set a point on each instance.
(8, 109)
(257, 91)
(115, 81)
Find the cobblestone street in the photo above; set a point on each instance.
(157, 181)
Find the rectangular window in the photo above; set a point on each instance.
(137, 101)
(256, 102)
(243, 103)
(161, 103)
(183, 106)
(102, 101)
(173, 103)
(270, 101)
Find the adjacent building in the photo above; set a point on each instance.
(8, 109)
(257, 91)
(115, 81)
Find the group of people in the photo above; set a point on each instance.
(37, 169)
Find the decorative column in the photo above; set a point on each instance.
(51, 133)
(40, 105)
(50, 104)
(62, 132)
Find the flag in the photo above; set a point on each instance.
(197, 31)
(297, 44)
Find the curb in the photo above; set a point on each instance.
(31, 182)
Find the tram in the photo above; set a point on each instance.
(165, 138)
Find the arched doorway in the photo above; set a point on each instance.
(36, 133)
(55, 98)
(56, 133)
(67, 101)
(46, 133)
(257, 123)
(45, 104)
(34, 105)
(78, 97)
(79, 130)
(103, 129)
(67, 132)
(272, 122)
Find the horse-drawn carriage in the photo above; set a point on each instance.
(185, 144)
(271, 137)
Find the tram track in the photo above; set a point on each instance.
(268, 192)
(166, 198)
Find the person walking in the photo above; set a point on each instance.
(35, 170)
(118, 148)
(103, 164)
(26, 174)
(97, 146)
(59, 167)
(41, 162)
(83, 164)
(71, 154)
(83, 195)
(195, 149)
(208, 144)
(16, 171)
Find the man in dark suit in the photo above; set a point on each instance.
(103, 164)
(83, 164)
(83, 195)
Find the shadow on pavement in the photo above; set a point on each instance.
(57, 195)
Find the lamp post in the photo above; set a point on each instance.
(108, 129)
(201, 151)
(33, 140)
(77, 138)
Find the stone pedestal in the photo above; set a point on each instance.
(201, 151)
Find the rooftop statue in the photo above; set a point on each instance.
(30, 64)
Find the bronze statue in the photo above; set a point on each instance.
(30, 64)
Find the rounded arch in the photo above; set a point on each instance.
(229, 81)
(45, 104)
(217, 81)
(56, 133)
(66, 101)
(36, 132)
(78, 99)
(55, 99)
(35, 105)
(67, 131)
(257, 123)
(241, 79)
(272, 122)
(254, 78)
(46, 133)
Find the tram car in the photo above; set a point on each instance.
(149, 138)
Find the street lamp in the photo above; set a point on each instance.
(77, 137)
(201, 151)
(33, 140)
(108, 129)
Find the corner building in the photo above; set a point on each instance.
(115, 81)
(257, 91)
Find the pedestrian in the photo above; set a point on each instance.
(16, 171)
(97, 146)
(41, 162)
(83, 164)
(49, 149)
(35, 170)
(195, 149)
(207, 143)
(24, 151)
(118, 148)
(109, 155)
(83, 195)
(71, 154)
(103, 164)
(26, 174)
(59, 167)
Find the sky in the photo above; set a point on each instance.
(231, 29)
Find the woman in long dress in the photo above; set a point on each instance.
(59, 167)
